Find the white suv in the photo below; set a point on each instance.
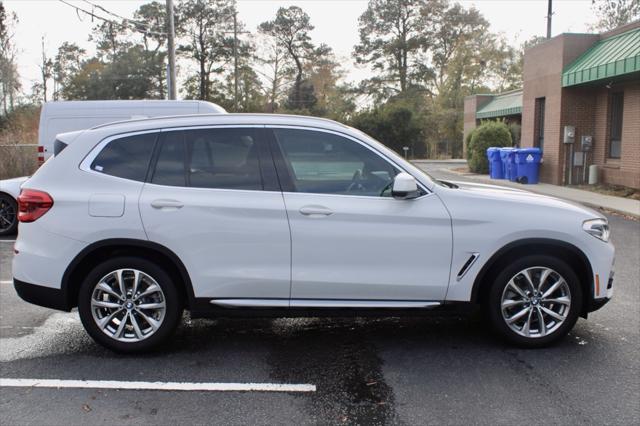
(227, 215)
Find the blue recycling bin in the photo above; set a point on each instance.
(495, 164)
(507, 156)
(528, 165)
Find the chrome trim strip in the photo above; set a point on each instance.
(319, 303)
(322, 303)
(251, 303)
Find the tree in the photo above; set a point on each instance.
(273, 57)
(324, 72)
(291, 28)
(67, 63)
(612, 14)
(205, 26)
(395, 124)
(509, 70)
(391, 36)
(124, 78)
(459, 44)
(110, 38)
(9, 77)
(251, 96)
(152, 25)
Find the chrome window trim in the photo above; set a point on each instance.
(85, 164)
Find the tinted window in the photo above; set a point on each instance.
(58, 146)
(126, 157)
(215, 158)
(171, 160)
(325, 163)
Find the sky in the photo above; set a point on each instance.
(335, 23)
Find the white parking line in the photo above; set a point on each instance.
(7, 241)
(162, 386)
(6, 282)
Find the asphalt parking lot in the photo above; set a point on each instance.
(431, 370)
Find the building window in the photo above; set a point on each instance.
(615, 124)
(539, 124)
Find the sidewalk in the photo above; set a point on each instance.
(621, 205)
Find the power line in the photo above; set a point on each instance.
(136, 24)
(123, 25)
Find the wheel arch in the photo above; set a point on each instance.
(102, 250)
(8, 195)
(566, 251)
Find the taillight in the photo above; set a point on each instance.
(33, 204)
(40, 155)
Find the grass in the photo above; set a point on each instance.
(613, 190)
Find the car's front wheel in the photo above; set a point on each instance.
(535, 301)
(129, 304)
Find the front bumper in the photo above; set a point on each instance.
(598, 303)
(42, 296)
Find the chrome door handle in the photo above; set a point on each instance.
(166, 204)
(315, 211)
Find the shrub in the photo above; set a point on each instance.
(488, 134)
(467, 142)
(395, 125)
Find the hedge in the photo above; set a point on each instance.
(488, 134)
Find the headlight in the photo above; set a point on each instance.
(599, 228)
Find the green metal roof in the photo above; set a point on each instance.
(509, 103)
(611, 57)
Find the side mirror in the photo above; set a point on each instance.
(404, 187)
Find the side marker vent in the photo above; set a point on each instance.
(467, 265)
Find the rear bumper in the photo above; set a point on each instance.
(42, 296)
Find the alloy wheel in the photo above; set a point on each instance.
(535, 302)
(7, 215)
(128, 305)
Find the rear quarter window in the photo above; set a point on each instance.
(126, 157)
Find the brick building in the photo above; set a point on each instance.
(590, 82)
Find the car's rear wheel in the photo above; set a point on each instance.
(129, 304)
(535, 301)
(8, 215)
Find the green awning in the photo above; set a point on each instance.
(611, 57)
(502, 105)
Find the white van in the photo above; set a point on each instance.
(68, 116)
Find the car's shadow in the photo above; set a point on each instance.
(348, 359)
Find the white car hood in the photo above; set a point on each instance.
(522, 196)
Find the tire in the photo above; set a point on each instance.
(8, 215)
(556, 305)
(150, 318)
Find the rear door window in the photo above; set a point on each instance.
(127, 157)
(222, 158)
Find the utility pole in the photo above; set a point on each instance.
(549, 14)
(235, 61)
(172, 51)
